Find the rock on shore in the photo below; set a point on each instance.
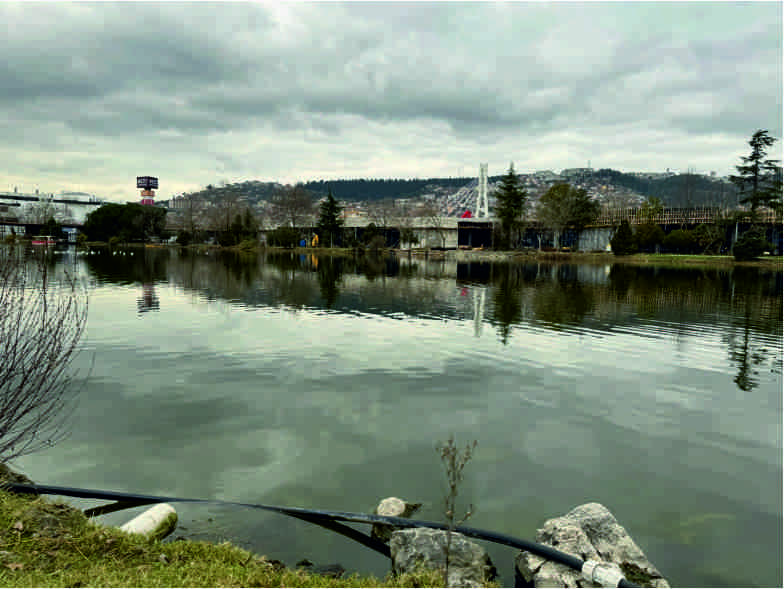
(589, 532)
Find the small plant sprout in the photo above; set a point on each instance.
(453, 462)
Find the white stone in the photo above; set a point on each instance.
(391, 507)
(156, 523)
(588, 532)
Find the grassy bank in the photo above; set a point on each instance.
(669, 260)
(47, 544)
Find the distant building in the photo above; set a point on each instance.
(574, 172)
(546, 175)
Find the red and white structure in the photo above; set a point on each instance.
(147, 184)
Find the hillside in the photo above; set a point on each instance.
(456, 194)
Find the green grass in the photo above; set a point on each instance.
(670, 260)
(46, 544)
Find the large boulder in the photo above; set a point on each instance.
(589, 532)
(415, 548)
(392, 507)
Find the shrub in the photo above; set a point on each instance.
(10, 239)
(648, 236)
(377, 242)
(371, 231)
(114, 241)
(284, 237)
(709, 238)
(184, 238)
(349, 240)
(680, 241)
(623, 242)
(750, 245)
(247, 245)
(227, 238)
(81, 239)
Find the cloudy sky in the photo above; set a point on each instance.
(92, 95)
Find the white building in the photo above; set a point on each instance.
(67, 207)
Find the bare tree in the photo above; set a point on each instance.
(432, 212)
(405, 222)
(227, 206)
(192, 213)
(292, 205)
(382, 212)
(41, 212)
(41, 323)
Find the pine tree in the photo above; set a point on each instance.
(759, 179)
(623, 242)
(330, 223)
(510, 203)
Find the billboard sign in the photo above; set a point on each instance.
(146, 182)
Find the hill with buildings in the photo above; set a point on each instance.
(454, 195)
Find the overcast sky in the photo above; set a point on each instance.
(92, 95)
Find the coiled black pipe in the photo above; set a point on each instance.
(327, 519)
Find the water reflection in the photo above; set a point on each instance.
(609, 375)
(745, 304)
(329, 275)
(149, 300)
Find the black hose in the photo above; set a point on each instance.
(324, 518)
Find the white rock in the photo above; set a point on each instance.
(589, 531)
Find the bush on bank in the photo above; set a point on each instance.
(623, 242)
(751, 245)
(283, 237)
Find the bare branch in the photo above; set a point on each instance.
(42, 319)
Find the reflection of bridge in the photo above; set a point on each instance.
(672, 216)
(11, 227)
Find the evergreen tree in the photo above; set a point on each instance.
(329, 223)
(759, 179)
(623, 242)
(510, 203)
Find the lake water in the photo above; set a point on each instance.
(327, 383)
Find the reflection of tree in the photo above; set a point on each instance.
(330, 270)
(621, 278)
(746, 373)
(149, 300)
(563, 301)
(142, 265)
(371, 264)
(507, 299)
(753, 286)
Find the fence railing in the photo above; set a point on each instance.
(677, 216)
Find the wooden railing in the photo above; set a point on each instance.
(673, 216)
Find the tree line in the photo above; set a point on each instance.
(758, 183)
(563, 207)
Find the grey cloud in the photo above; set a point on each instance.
(477, 77)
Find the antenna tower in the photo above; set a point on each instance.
(481, 199)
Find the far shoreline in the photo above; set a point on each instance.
(519, 256)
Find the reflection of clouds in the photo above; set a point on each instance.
(554, 442)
